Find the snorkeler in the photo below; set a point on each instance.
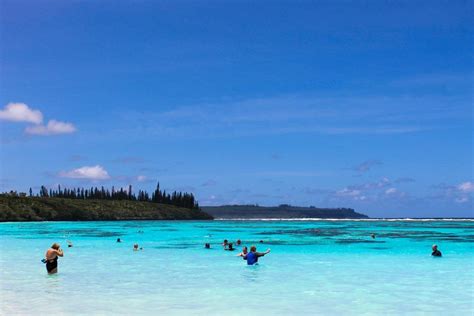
(253, 255)
(244, 252)
(51, 258)
(436, 252)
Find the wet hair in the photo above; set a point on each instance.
(55, 246)
(225, 241)
(253, 249)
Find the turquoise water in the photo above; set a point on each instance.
(315, 267)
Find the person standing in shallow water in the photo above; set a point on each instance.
(243, 253)
(436, 252)
(253, 255)
(51, 258)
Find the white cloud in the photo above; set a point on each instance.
(141, 178)
(52, 128)
(391, 191)
(466, 187)
(87, 172)
(20, 112)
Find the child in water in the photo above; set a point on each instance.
(244, 252)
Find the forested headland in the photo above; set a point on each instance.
(74, 204)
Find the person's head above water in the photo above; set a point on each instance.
(245, 250)
(55, 246)
(434, 247)
(253, 248)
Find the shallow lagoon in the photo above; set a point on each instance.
(315, 267)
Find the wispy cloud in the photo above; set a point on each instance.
(209, 183)
(130, 160)
(462, 193)
(404, 180)
(52, 128)
(304, 114)
(365, 166)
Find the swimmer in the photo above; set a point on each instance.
(238, 242)
(244, 252)
(230, 247)
(135, 247)
(436, 252)
(69, 243)
(225, 243)
(51, 256)
(207, 246)
(261, 241)
(119, 240)
(372, 235)
(253, 255)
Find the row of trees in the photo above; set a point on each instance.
(179, 199)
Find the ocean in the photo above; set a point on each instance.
(315, 267)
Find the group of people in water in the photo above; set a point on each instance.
(53, 253)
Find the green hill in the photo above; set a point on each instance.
(282, 211)
(14, 208)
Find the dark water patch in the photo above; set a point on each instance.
(323, 232)
(170, 247)
(226, 231)
(380, 248)
(288, 243)
(165, 230)
(102, 234)
(177, 246)
(358, 241)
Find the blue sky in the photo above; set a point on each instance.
(335, 104)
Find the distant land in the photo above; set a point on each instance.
(22, 208)
(283, 211)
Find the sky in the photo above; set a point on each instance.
(360, 104)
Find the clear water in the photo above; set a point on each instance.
(315, 267)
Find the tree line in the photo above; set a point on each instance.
(180, 199)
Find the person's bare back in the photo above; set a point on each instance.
(51, 256)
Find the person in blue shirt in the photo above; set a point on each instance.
(253, 255)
